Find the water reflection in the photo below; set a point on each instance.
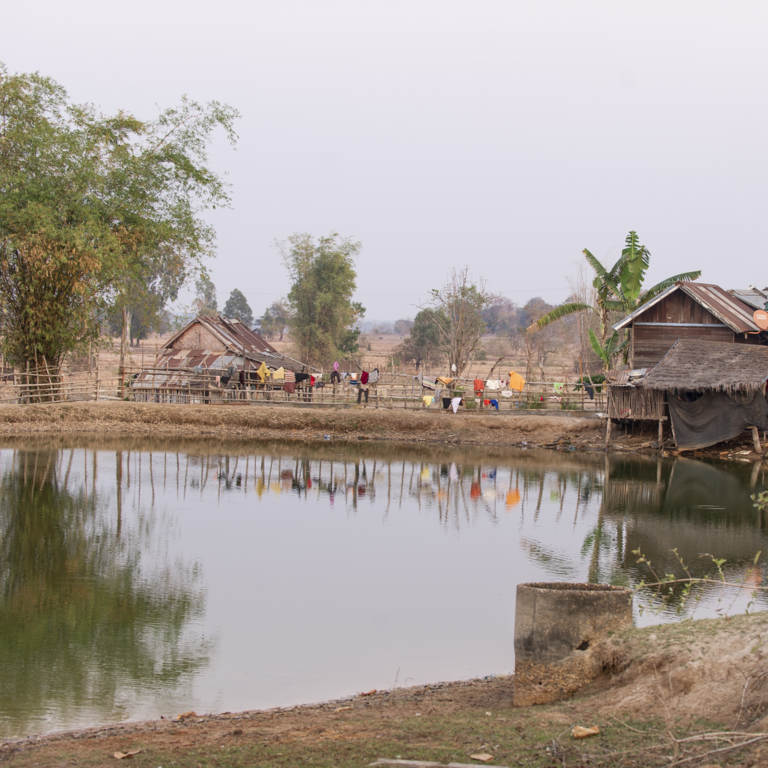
(121, 559)
(86, 625)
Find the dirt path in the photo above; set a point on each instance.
(660, 685)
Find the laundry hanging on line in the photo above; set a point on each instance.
(516, 381)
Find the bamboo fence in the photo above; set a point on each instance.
(185, 386)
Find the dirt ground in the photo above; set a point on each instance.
(680, 694)
(301, 423)
(569, 431)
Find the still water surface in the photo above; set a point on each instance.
(148, 578)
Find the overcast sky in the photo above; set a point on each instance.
(506, 136)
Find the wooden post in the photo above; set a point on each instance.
(661, 430)
(756, 440)
(607, 430)
(96, 390)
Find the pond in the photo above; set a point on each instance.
(141, 578)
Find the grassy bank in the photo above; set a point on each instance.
(686, 694)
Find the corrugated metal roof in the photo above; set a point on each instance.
(626, 377)
(752, 296)
(726, 307)
(733, 312)
(231, 333)
(639, 311)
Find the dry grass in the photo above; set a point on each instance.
(296, 423)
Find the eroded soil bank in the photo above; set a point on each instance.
(304, 423)
(680, 694)
(564, 430)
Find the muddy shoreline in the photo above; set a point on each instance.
(557, 430)
(660, 684)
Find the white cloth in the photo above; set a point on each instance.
(455, 403)
(506, 393)
(493, 384)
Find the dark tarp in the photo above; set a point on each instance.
(716, 416)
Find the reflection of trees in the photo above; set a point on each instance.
(82, 625)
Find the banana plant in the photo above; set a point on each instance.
(619, 289)
(607, 350)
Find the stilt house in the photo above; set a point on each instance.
(680, 330)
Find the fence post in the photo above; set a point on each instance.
(96, 390)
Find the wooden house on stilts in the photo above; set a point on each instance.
(709, 338)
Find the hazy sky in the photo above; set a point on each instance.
(506, 136)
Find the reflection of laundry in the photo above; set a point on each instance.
(513, 498)
(453, 473)
(474, 490)
(489, 494)
(425, 473)
(455, 403)
(516, 381)
(427, 400)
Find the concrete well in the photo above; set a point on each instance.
(556, 626)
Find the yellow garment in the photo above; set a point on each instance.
(279, 373)
(262, 372)
(427, 400)
(516, 381)
(445, 380)
(513, 499)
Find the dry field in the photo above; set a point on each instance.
(559, 368)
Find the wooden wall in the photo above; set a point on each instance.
(651, 342)
(678, 307)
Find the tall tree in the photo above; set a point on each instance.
(237, 307)
(462, 302)
(426, 341)
(205, 302)
(92, 209)
(324, 318)
(276, 318)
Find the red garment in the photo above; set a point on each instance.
(479, 386)
(474, 490)
(289, 387)
(486, 402)
(311, 381)
(364, 377)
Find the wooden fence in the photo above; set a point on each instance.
(183, 386)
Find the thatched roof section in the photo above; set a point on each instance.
(709, 365)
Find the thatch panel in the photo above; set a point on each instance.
(707, 365)
(635, 403)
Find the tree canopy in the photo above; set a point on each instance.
(324, 319)
(237, 307)
(95, 210)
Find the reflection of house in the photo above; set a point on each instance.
(205, 358)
